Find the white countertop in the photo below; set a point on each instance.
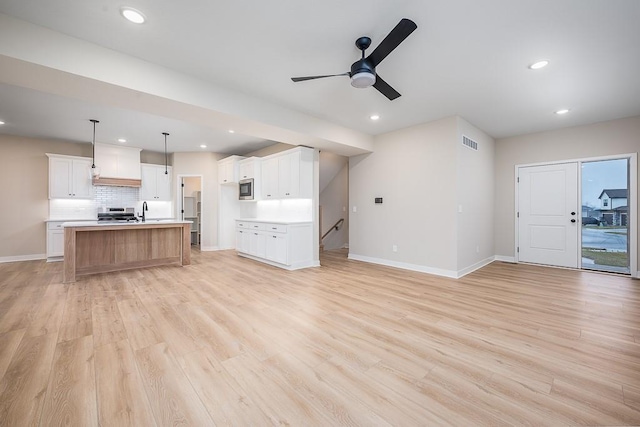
(273, 221)
(67, 219)
(127, 224)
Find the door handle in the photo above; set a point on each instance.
(573, 220)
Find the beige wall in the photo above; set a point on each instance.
(475, 193)
(24, 174)
(414, 171)
(154, 158)
(600, 139)
(205, 164)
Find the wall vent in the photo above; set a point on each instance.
(468, 142)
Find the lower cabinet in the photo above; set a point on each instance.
(286, 245)
(55, 240)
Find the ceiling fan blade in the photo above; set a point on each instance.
(393, 39)
(302, 79)
(384, 88)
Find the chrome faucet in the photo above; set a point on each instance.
(144, 208)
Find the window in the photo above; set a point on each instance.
(605, 202)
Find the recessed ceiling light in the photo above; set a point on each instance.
(232, 131)
(132, 15)
(563, 111)
(203, 146)
(374, 117)
(122, 140)
(539, 64)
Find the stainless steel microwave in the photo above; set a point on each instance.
(246, 188)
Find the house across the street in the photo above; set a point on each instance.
(613, 206)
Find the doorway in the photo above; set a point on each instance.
(578, 214)
(605, 209)
(548, 214)
(190, 208)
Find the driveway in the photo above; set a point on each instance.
(605, 238)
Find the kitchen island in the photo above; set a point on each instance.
(99, 247)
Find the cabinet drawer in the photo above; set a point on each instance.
(256, 226)
(276, 228)
(55, 225)
(242, 224)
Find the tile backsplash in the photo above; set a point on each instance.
(106, 196)
(123, 197)
(72, 209)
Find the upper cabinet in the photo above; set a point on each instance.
(288, 175)
(69, 177)
(228, 169)
(117, 162)
(249, 168)
(156, 185)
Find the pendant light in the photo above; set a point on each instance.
(95, 172)
(165, 153)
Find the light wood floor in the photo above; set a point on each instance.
(228, 341)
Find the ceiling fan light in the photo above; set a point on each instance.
(363, 79)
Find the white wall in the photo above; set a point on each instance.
(476, 197)
(205, 164)
(414, 171)
(600, 139)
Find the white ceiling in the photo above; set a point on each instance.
(466, 58)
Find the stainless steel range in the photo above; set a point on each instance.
(118, 215)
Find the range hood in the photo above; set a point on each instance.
(117, 166)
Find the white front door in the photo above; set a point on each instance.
(548, 222)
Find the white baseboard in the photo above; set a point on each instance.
(405, 266)
(424, 269)
(503, 258)
(209, 248)
(33, 257)
(475, 266)
(294, 266)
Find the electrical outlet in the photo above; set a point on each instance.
(394, 248)
(355, 209)
(477, 249)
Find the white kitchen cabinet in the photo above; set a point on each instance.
(69, 177)
(249, 168)
(242, 240)
(270, 179)
(276, 248)
(117, 161)
(284, 245)
(257, 244)
(288, 174)
(228, 169)
(156, 185)
(55, 240)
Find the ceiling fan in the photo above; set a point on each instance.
(363, 71)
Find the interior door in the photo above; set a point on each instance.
(548, 214)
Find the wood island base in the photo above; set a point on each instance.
(106, 248)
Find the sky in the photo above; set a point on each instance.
(596, 176)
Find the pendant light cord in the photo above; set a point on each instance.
(165, 153)
(93, 144)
